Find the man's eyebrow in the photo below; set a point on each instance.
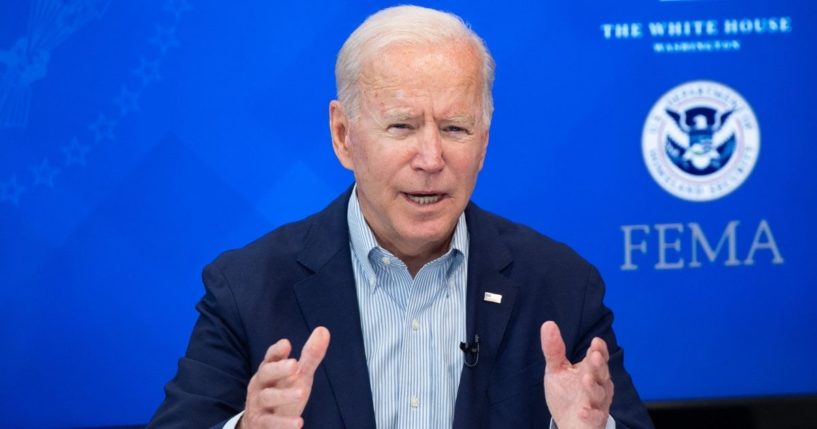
(460, 119)
(399, 115)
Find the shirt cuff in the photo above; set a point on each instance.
(611, 424)
(234, 421)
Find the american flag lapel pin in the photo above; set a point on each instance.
(493, 297)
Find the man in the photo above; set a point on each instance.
(439, 313)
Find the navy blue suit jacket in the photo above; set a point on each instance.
(300, 276)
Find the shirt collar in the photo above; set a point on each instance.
(363, 241)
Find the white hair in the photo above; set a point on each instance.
(405, 24)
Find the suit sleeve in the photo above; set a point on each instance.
(597, 321)
(211, 381)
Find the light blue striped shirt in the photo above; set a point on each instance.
(412, 327)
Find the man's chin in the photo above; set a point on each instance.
(425, 237)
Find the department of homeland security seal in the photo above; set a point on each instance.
(700, 141)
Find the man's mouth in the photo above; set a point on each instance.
(424, 199)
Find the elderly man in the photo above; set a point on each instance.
(440, 314)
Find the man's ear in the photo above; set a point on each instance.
(339, 128)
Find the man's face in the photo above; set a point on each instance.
(416, 145)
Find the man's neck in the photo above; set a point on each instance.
(415, 257)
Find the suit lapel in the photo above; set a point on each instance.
(328, 298)
(488, 258)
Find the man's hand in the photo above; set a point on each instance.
(277, 393)
(578, 396)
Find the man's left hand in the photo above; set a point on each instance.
(578, 395)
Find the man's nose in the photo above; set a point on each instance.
(429, 156)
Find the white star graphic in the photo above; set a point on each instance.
(177, 7)
(165, 38)
(44, 174)
(148, 71)
(10, 191)
(74, 153)
(127, 101)
(102, 128)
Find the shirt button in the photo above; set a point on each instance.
(386, 260)
(414, 402)
(415, 325)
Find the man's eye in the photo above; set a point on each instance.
(400, 126)
(455, 129)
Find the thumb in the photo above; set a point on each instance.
(314, 350)
(553, 347)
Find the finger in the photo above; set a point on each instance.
(596, 394)
(271, 398)
(278, 351)
(277, 421)
(598, 367)
(600, 345)
(610, 388)
(314, 350)
(553, 347)
(273, 373)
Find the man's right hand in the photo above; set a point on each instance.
(277, 393)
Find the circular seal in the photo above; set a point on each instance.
(700, 141)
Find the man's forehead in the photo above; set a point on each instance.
(394, 103)
(422, 65)
(407, 91)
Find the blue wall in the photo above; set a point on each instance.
(141, 139)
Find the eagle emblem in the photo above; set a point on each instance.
(700, 140)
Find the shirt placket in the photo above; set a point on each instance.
(416, 369)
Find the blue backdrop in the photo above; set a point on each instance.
(140, 139)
